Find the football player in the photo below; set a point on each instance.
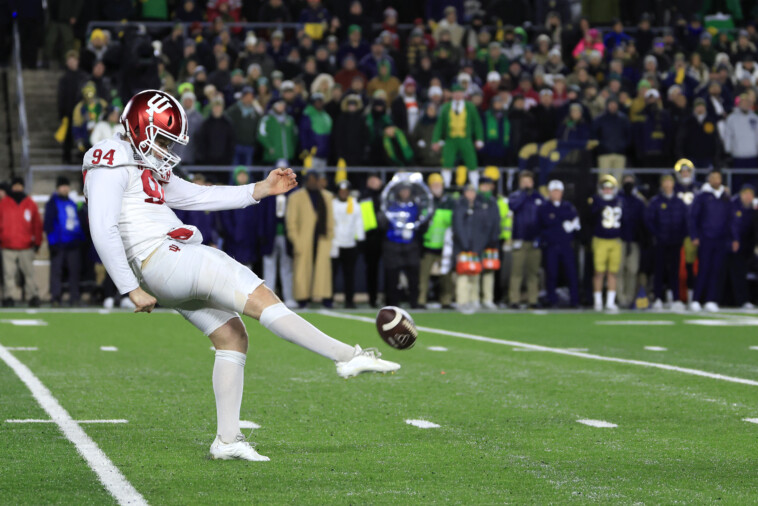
(606, 240)
(686, 188)
(154, 258)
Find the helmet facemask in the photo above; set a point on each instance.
(159, 157)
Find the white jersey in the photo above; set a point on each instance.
(130, 212)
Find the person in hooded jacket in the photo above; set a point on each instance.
(421, 137)
(351, 134)
(20, 239)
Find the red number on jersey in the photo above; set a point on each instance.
(97, 156)
(152, 188)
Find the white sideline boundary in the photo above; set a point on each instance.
(559, 351)
(108, 474)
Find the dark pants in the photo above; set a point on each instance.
(667, 269)
(71, 257)
(737, 272)
(243, 155)
(393, 277)
(372, 253)
(711, 256)
(346, 262)
(558, 256)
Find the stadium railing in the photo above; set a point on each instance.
(23, 127)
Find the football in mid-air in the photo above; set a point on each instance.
(396, 327)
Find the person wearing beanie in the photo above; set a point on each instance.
(384, 80)
(698, 139)
(244, 116)
(65, 238)
(316, 131)
(214, 143)
(434, 242)
(458, 134)
(277, 134)
(20, 237)
(406, 108)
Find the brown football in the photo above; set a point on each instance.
(396, 327)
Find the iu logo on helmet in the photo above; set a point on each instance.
(157, 103)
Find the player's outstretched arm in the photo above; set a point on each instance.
(188, 196)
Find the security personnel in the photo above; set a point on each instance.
(686, 188)
(711, 233)
(434, 241)
(666, 219)
(558, 221)
(606, 241)
(743, 243)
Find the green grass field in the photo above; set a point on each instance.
(508, 417)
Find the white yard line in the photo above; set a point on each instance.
(597, 423)
(751, 420)
(436, 348)
(26, 323)
(108, 474)
(559, 351)
(656, 348)
(635, 322)
(422, 424)
(108, 348)
(21, 348)
(37, 420)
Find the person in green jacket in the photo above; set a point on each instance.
(434, 241)
(244, 118)
(458, 133)
(277, 134)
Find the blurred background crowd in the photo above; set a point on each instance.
(549, 89)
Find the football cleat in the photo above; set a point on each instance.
(695, 306)
(240, 449)
(365, 361)
(611, 307)
(598, 306)
(677, 306)
(658, 304)
(748, 305)
(711, 307)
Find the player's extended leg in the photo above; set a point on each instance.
(263, 305)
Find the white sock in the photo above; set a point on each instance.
(447, 177)
(291, 327)
(228, 382)
(598, 298)
(473, 178)
(611, 297)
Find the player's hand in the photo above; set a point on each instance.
(696, 242)
(735, 246)
(436, 147)
(144, 302)
(278, 181)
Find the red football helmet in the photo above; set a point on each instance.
(153, 113)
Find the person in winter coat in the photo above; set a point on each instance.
(377, 119)
(316, 131)
(666, 220)
(613, 131)
(632, 237)
(277, 134)
(351, 135)
(698, 139)
(20, 239)
(406, 109)
(558, 221)
(741, 134)
(384, 81)
(310, 229)
(476, 226)
(69, 93)
(653, 133)
(237, 225)
(497, 133)
(370, 203)
(244, 119)
(527, 257)
(188, 153)
(590, 42)
(421, 138)
(434, 242)
(108, 126)
(65, 238)
(743, 244)
(348, 232)
(215, 139)
(711, 232)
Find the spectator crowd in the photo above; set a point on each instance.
(465, 88)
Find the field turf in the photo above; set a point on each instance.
(507, 416)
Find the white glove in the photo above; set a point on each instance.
(421, 143)
(479, 144)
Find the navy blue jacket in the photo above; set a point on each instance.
(687, 193)
(551, 220)
(239, 234)
(742, 225)
(666, 218)
(710, 216)
(525, 222)
(613, 132)
(632, 217)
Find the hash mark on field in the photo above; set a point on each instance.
(422, 424)
(21, 348)
(732, 322)
(108, 348)
(597, 423)
(436, 348)
(26, 323)
(656, 348)
(635, 322)
(754, 348)
(566, 349)
(247, 424)
(537, 347)
(108, 474)
(38, 420)
(751, 420)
